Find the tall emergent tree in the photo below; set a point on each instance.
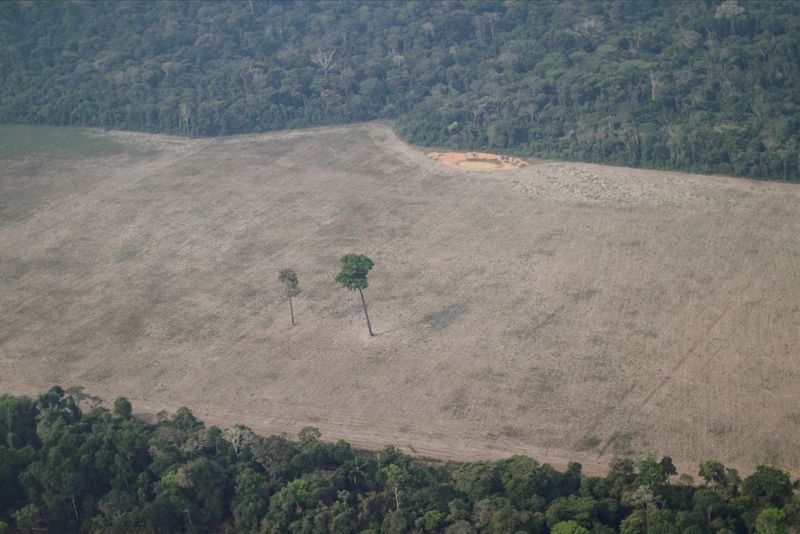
(289, 279)
(355, 268)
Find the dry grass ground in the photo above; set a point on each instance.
(561, 310)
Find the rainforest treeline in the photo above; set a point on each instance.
(64, 469)
(708, 86)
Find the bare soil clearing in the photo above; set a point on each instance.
(480, 161)
(561, 310)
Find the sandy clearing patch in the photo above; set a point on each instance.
(479, 161)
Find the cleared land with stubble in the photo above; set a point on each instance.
(562, 310)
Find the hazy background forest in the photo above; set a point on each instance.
(700, 86)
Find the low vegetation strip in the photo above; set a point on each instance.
(71, 465)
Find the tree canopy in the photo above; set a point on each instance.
(291, 284)
(355, 268)
(709, 86)
(70, 470)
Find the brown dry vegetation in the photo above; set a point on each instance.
(562, 310)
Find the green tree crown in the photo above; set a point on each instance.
(355, 268)
(289, 278)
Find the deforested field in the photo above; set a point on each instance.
(561, 310)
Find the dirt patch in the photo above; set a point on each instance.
(478, 161)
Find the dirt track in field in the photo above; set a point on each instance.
(562, 310)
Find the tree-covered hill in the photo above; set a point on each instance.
(710, 86)
(67, 470)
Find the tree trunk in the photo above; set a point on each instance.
(75, 509)
(364, 302)
(291, 310)
(189, 518)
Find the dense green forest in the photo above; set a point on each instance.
(709, 86)
(68, 470)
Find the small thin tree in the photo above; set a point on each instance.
(355, 268)
(289, 279)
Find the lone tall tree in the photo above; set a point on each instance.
(354, 276)
(289, 279)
